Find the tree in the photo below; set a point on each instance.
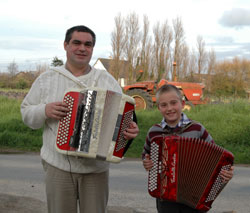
(228, 79)
(56, 62)
(12, 68)
(202, 55)
(117, 44)
(178, 42)
(192, 66)
(167, 38)
(163, 38)
(185, 58)
(40, 68)
(132, 37)
(237, 74)
(211, 63)
(145, 53)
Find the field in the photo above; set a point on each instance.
(229, 125)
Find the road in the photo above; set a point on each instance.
(22, 186)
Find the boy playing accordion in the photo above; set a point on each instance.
(175, 122)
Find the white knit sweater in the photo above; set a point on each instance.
(50, 87)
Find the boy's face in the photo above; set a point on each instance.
(171, 106)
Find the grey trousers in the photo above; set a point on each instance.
(64, 190)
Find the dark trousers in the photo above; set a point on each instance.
(164, 206)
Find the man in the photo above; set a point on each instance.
(69, 179)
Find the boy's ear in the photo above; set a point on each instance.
(183, 104)
(157, 106)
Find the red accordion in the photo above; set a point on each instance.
(186, 170)
(93, 127)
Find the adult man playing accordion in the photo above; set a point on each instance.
(175, 122)
(70, 179)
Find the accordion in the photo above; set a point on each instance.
(94, 125)
(186, 170)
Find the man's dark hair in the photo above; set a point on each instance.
(79, 28)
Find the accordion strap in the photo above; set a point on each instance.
(72, 77)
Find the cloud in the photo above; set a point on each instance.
(237, 18)
(29, 44)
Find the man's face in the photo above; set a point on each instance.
(79, 49)
(171, 106)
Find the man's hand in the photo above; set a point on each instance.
(132, 131)
(147, 163)
(56, 110)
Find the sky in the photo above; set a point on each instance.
(32, 31)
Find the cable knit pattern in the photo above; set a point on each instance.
(51, 87)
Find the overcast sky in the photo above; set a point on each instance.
(32, 31)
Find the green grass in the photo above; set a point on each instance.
(229, 125)
(14, 90)
(13, 133)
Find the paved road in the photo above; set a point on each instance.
(22, 188)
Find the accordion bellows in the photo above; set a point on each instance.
(186, 170)
(93, 127)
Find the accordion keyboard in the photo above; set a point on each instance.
(127, 119)
(64, 126)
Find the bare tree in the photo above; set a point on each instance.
(40, 68)
(246, 73)
(179, 40)
(12, 68)
(117, 43)
(211, 63)
(192, 66)
(132, 37)
(144, 60)
(237, 74)
(162, 53)
(185, 58)
(202, 55)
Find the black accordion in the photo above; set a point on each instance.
(93, 128)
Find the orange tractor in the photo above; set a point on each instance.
(144, 93)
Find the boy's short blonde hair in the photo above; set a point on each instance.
(167, 88)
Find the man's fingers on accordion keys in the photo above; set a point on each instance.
(56, 110)
(131, 132)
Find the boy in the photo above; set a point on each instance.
(170, 104)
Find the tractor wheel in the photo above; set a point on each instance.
(142, 99)
(188, 106)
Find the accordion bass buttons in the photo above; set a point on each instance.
(64, 124)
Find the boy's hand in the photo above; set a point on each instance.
(132, 131)
(56, 110)
(147, 163)
(227, 175)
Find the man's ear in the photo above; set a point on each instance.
(65, 45)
